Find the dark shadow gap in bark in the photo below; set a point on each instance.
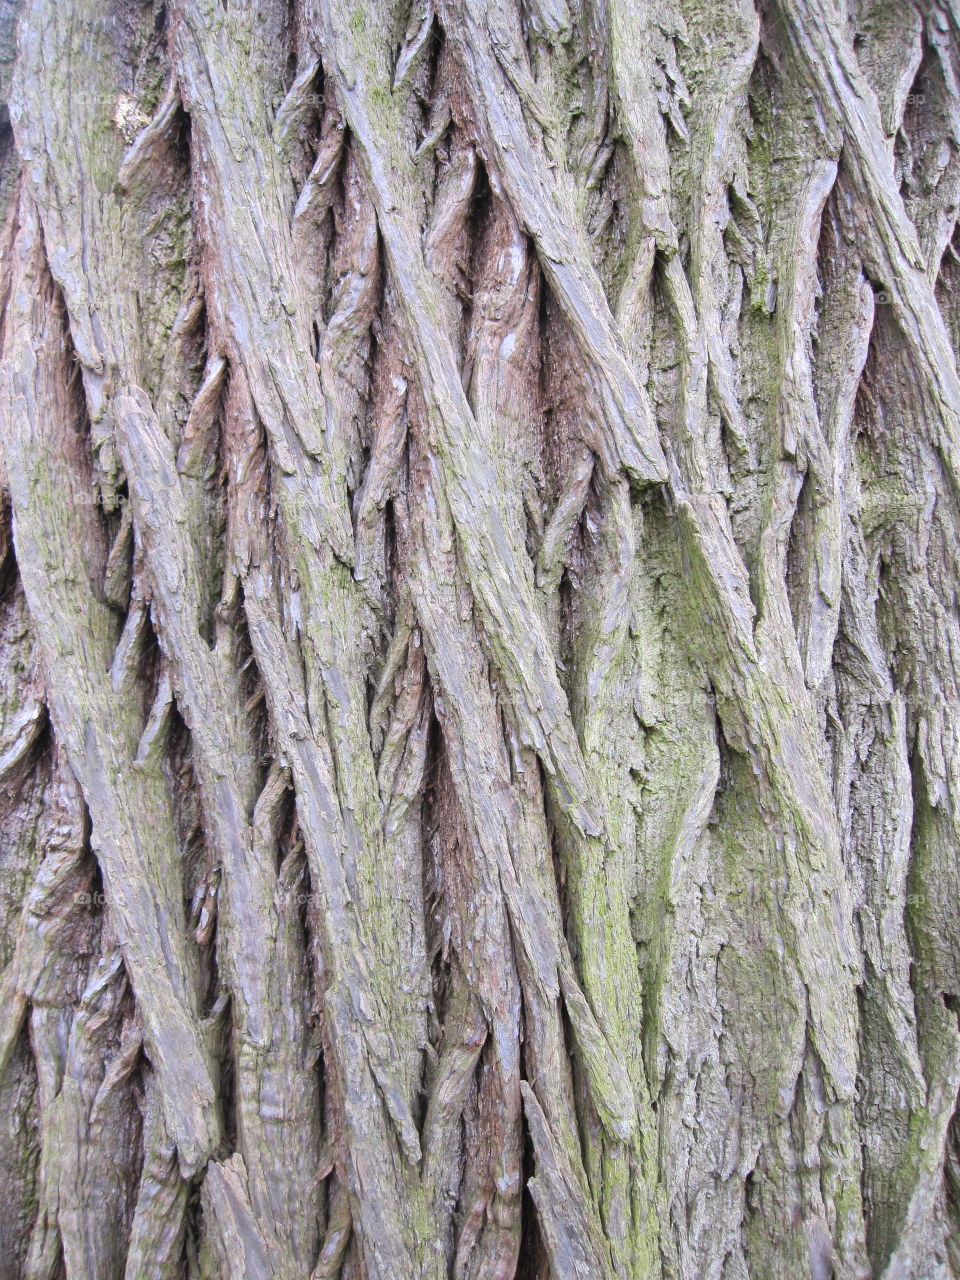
(19, 1154)
(252, 688)
(199, 870)
(440, 834)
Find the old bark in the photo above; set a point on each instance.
(479, 738)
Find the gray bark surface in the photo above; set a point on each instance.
(479, 640)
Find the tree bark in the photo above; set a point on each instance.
(479, 735)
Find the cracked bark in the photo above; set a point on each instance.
(479, 750)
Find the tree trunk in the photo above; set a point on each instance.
(479, 739)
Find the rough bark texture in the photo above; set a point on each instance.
(479, 735)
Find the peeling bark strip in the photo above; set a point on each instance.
(479, 558)
(94, 697)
